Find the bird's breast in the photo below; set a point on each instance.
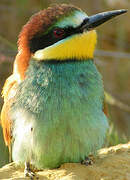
(56, 109)
(60, 85)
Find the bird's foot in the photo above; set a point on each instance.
(28, 172)
(87, 161)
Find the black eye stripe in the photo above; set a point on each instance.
(42, 41)
(84, 21)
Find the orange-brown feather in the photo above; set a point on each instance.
(9, 93)
(6, 124)
(37, 24)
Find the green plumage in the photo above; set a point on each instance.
(58, 113)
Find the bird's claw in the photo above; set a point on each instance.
(87, 161)
(28, 172)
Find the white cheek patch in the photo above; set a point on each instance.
(73, 20)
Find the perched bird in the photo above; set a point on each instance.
(53, 108)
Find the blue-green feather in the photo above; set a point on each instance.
(57, 114)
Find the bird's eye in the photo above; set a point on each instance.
(59, 33)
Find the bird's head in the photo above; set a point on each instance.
(61, 32)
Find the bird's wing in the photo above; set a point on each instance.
(9, 92)
(10, 87)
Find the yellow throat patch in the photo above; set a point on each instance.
(79, 46)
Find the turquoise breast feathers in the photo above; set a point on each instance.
(58, 113)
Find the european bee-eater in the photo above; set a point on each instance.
(53, 109)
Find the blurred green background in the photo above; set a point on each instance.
(112, 56)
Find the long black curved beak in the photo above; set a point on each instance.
(93, 21)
